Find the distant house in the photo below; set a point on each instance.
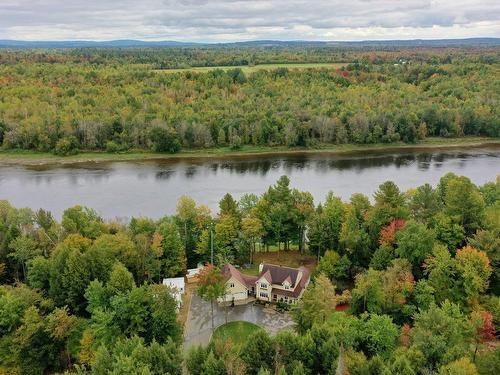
(178, 287)
(274, 283)
(193, 274)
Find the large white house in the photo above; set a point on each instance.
(273, 284)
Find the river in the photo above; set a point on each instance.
(152, 188)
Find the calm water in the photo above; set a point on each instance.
(151, 188)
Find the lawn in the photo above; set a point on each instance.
(238, 332)
(250, 69)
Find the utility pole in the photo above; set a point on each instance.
(211, 245)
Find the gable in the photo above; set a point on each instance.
(265, 277)
(237, 283)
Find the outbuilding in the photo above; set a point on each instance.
(178, 286)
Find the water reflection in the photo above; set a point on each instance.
(319, 164)
(191, 171)
(152, 187)
(164, 175)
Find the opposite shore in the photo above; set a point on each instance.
(21, 157)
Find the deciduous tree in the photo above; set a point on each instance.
(211, 286)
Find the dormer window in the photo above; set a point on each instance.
(231, 285)
(286, 286)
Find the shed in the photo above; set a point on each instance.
(177, 285)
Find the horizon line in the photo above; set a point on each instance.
(243, 40)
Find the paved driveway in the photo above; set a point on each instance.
(198, 328)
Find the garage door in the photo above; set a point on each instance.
(238, 296)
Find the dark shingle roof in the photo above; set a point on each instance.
(280, 274)
(298, 289)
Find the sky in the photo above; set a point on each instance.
(240, 20)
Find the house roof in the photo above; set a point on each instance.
(193, 271)
(280, 274)
(230, 271)
(295, 293)
(267, 275)
(249, 280)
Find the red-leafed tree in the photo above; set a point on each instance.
(485, 330)
(404, 338)
(388, 233)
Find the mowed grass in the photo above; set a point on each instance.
(250, 69)
(237, 332)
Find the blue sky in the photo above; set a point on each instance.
(237, 20)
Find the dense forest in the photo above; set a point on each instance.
(419, 270)
(117, 100)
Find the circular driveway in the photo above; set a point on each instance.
(198, 328)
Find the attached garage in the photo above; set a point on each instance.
(235, 290)
(238, 286)
(236, 296)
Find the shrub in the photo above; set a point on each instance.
(282, 306)
(165, 140)
(112, 147)
(66, 146)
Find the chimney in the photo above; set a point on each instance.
(261, 266)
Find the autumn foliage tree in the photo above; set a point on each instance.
(388, 233)
(485, 328)
(211, 286)
(474, 268)
(93, 302)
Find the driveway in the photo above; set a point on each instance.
(198, 328)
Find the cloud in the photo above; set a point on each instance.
(229, 20)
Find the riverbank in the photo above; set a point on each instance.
(17, 157)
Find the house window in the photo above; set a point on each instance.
(263, 295)
(287, 286)
(263, 285)
(231, 285)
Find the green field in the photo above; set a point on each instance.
(238, 332)
(255, 68)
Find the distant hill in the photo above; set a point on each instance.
(375, 43)
(124, 43)
(425, 42)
